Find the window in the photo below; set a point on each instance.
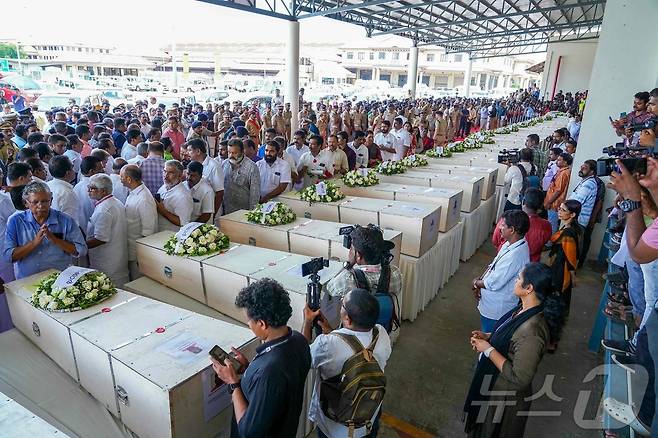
(430, 57)
(350, 55)
(407, 56)
(396, 56)
(381, 55)
(371, 56)
(458, 57)
(361, 56)
(327, 81)
(443, 57)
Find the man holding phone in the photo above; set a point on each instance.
(267, 400)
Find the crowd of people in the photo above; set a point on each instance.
(83, 185)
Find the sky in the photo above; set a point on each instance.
(152, 24)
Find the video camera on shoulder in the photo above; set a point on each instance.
(508, 156)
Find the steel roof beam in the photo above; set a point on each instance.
(487, 18)
(520, 43)
(270, 11)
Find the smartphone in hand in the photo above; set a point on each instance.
(220, 355)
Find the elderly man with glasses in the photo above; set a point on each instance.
(40, 237)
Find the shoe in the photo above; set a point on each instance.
(623, 413)
(626, 362)
(621, 347)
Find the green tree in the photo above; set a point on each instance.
(9, 51)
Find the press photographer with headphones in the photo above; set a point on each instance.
(368, 267)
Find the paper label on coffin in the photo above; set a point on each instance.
(70, 276)
(239, 230)
(180, 273)
(169, 392)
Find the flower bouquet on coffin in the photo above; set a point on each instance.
(361, 178)
(456, 147)
(324, 191)
(504, 130)
(271, 213)
(414, 161)
(74, 288)
(196, 239)
(391, 167)
(514, 128)
(439, 152)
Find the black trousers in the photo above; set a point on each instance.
(587, 241)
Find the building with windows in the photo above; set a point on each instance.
(383, 61)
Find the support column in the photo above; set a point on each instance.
(619, 71)
(292, 69)
(467, 77)
(413, 70)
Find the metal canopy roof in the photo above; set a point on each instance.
(483, 28)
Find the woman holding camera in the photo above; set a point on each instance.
(510, 355)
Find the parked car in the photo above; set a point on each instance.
(211, 96)
(48, 101)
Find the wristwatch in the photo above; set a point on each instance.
(627, 205)
(233, 386)
(488, 351)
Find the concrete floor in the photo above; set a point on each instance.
(432, 363)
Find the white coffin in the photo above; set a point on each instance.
(179, 273)
(490, 174)
(326, 211)
(470, 185)
(226, 274)
(123, 352)
(363, 210)
(50, 331)
(18, 422)
(419, 222)
(240, 230)
(321, 239)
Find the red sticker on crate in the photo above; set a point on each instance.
(160, 330)
(106, 310)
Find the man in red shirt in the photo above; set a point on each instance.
(175, 134)
(540, 229)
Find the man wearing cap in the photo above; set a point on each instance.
(279, 122)
(367, 252)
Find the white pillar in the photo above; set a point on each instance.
(619, 71)
(292, 68)
(413, 70)
(467, 77)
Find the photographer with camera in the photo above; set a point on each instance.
(648, 137)
(520, 177)
(624, 124)
(348, 359)
(268, 398)
(368, 267)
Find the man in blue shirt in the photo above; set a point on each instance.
(590, 192)
(20, 136)
(40, 237)
(118, 133)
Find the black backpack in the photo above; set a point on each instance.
(388, 304)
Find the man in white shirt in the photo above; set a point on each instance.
(107, 234)
(141, 213)
(6, 268)
(298, 147)
(386, 141)
(129, 148)
(89, 166)
(338, 156)
(514, 178)
(202, 194)
(403, 139)
(212, 171)
(144, 125)
(274, 173)
(174, 201)
(142, 153)
(118, 189)
(316, 164)
(574, 126)
(64, 197)
(495, 289)
(358, 315)
(360, 149)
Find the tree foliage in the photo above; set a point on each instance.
(9, 51)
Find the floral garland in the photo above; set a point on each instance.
(456, 147)
(356, 178)
(90, 289)
(271, 213)
(324, 191)
(414, 161)
(204, 240)
(503, 130)
(391, 167)
(438, 153)
(515, 128)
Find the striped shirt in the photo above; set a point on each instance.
(585, 193)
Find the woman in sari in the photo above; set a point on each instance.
(509, 357)
(253, 127)
(565, 249)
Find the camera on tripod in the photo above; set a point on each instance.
(314, 287)
(510, 156)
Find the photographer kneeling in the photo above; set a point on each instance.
(368, 268)
(350, 360)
